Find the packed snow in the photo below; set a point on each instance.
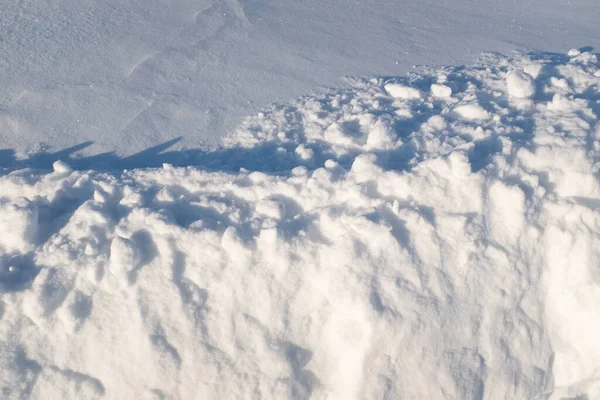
(423, 237)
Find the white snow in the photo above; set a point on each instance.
(61, 167)
(96, 77)
(19, 222)
(357, 244)
(472, 112)
(520, 84)
(441, 90)
(402, 92)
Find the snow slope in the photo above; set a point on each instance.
(124, 76)
(430, 236)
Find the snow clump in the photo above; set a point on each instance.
(520, 84)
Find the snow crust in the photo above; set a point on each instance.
(367, 243)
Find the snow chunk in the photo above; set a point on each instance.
(441, 91)
(402, 92)
(330, 164)
(472, 112)
(364, 167)
(381, 136)
(520, 84)
(459, 164)
(61, 167)
(303, 153)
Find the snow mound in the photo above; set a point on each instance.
(367, 243)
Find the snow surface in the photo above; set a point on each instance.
(127, 75)
(358, 244)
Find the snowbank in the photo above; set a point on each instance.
(389, 240)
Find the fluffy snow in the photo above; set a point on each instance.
(359, 244)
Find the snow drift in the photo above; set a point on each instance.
(433, 236)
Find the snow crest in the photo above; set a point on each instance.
(432, 236)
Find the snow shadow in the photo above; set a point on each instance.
(17, 271)
(265, 158)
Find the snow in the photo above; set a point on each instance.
(400, 231)
(61, 167)
(360, 243)
(472, 112)
(520, 84)
(19, 217)
(441, 90)
(125, 76)
(402, 92)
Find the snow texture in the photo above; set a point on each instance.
(125, 75)
(368, 243)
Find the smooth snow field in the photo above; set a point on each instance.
(264, 199)
(434, 236)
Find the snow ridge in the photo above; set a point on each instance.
(431, 236)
